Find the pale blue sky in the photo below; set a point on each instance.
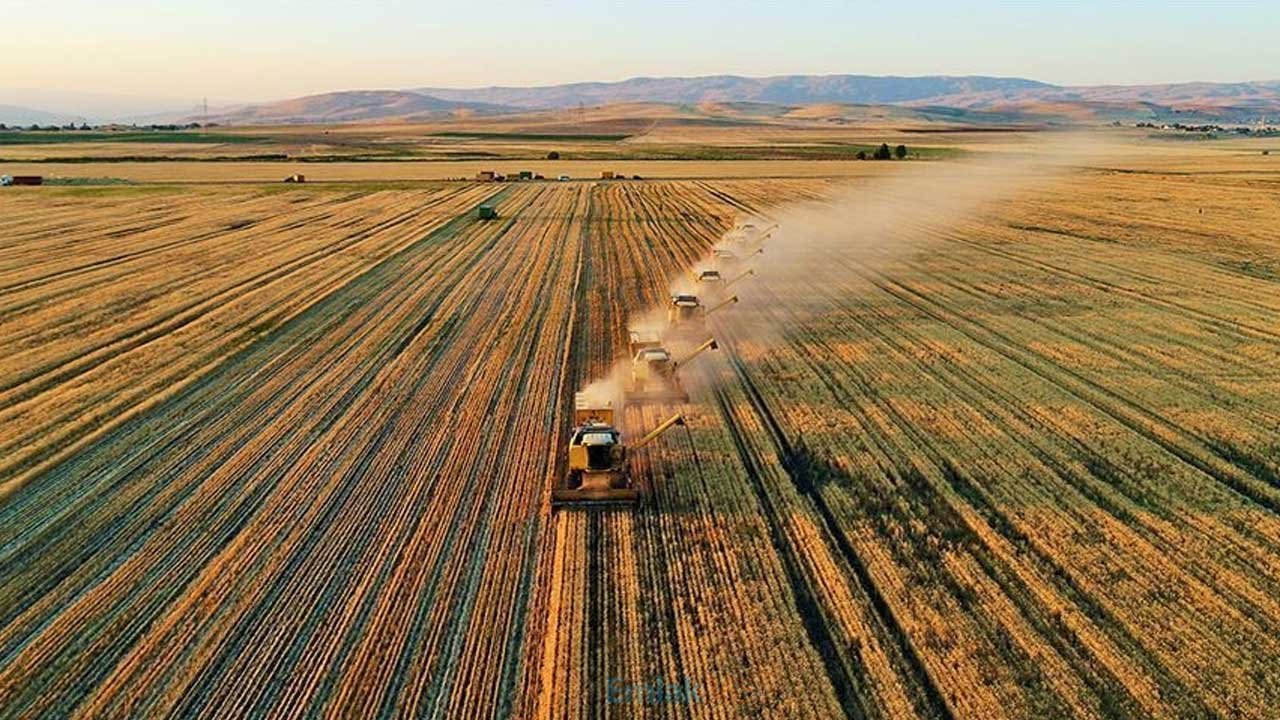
(267, 49)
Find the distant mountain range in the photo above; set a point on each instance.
(1198, 101)
(48, 106)
(17, 115)
(780, 90)
(974, 98)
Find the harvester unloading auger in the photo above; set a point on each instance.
(654, 372)
(744, 274)
(598, 468)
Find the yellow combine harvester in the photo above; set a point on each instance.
(728, 260)
(653, 371)
(751, 237)
(686, 315)
(598, 471)
(715, 284)
(710, 284)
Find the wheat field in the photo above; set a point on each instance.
(287, 452)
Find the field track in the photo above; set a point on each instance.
(287, 454)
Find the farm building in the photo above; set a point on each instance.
(486, 176)
(296, 178)
(606, 174)
(22, 180)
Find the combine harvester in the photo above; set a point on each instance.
(653, 371)
(598, 469)
(687, 316)
(714, 284)
(728, 260)
(751, 238)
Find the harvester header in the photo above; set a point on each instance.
(729, 301)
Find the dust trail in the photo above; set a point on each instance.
(608, 391)
(877, 222)
(802, 252)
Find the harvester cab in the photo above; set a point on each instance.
(598, 472)
(708, 277)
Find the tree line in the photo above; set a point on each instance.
(34, 127)
(884, 153)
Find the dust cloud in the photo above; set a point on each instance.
(608, 391)
(819, 249)
(805, 253)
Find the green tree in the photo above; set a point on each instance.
(882, 152)
(900, 152)
(553, 155)
(862, 154)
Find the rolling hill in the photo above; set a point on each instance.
(353, 106)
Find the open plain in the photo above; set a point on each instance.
(272, 450)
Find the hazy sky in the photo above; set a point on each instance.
(270, 49)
